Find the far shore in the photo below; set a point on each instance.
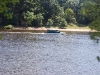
(45, 29)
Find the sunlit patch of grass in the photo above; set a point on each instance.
(77, 27)
(72, 26)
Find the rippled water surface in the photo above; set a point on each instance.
(48, 54)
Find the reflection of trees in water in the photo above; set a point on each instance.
(95, 36)
(0, 36)
(98, 58)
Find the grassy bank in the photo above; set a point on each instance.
(77, 27)
(72, 28)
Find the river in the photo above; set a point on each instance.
(48, 54)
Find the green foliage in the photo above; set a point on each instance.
(95, 25)
(49, 12)
(63, 23)
(91, 10)
(35, 12)
(8, 15)
(59, 21)
(29, 16)
(8, 27)
(4, 7)
(39, 18)
(69, 15)
(74, 21)
(50, 22)
(61, 12)
(69, 11)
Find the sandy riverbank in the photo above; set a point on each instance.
(45, 29)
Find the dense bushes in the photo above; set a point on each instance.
(51, 12)
(95, 25)
(8, 27)
(38, 13)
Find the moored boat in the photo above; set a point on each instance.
(53, 31)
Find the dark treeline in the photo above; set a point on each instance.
(39, 13)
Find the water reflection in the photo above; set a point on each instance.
(95, 36)
(0, 36)
(98, 58)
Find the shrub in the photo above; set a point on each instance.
(8, 27)
(63, 23)
(50, 22)
(95, 25)
(74, 20)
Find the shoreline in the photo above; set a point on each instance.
(43, 29)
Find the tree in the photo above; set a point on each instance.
(76, 6)
(92, 10)
(69, 15)
(60, 21)
(51, 8)
(39, 18)
(50, 22)
(25, 11)
(29, 16)
(3, 5)
(63, 23)
(37, 12)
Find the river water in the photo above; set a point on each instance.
(48, 54)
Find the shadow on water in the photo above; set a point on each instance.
(95, 36)
(98, 58)
(0, 36)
